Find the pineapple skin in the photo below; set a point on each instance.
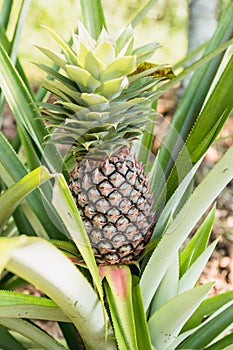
(113, 199)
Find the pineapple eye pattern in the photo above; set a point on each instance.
(120, 213)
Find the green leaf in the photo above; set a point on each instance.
(32, 332)
(168, 287)
(18, 29)
(18, 305)
(118, 68)
(25, 111)
(8, 342)
(189, 279)
(55, 57)
(88, 60)
(205, 128)
(209, 331)
(112, 88)
(11, 198)
(105, 52)
(207, 308)
(93, 16)
(142, 332)
(119, 294)
(38, 208)
(82, 77)
(5, 12)
(58, 76)
(166, 322)
(198, 243)
(183, 223)
(195, 95)
(69, 289)
(142, 12)
(69, 54)
(223, 344)
(29, 148)
(168, 212)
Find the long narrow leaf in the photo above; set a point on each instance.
(18, 29)
(8, 342)
(57, 277)
(207, 308)
(18, 305)
(198, 243)
(206, 127)
(223, 344)
(12, 170)
(209, 331)
(93, 16)
(179, 229)
(142, 332)
(26, 114)
(166, 323)
(142, 12)
(32, 332)
(190, 278)
(5, 12)
(195, 94)
(11, 198)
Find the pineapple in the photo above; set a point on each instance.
(102, 105)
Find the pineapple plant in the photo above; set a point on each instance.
(103, 102)
(99, 114)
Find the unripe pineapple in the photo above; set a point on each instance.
(103, 103)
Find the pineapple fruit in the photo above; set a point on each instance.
(103, 103)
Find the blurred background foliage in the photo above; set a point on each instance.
(166, 23)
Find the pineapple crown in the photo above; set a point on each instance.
(103, 90)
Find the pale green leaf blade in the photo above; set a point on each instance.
(183, 223)
(69, 288)
(198, 243)
(19, 305)
(21, 18)
(168, 287)
(189, 279)
(105, 52)
(38, 210)
(93, 16)
(11, 198)
(119, 67)
(89, 61)
(166, 323)
(82, 77)
(6, 247)
(70, 56)
(32, 332)
(55, 57)
(112, 88)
